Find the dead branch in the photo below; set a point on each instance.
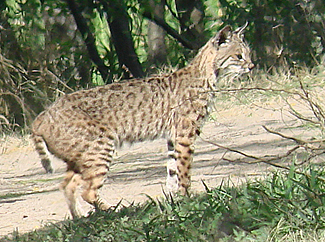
(256, 159)
(298, 141)
(269, 161)
(313, 148)
(317, 110)
(4, 119)
(21, 103)
(310, 145)
(57, 79)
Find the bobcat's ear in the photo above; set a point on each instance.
(223, 36)
(240, 31)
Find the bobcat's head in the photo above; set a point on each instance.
(224, 55)
(233, 54)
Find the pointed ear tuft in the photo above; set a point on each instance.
(222, 36)
(240, 31)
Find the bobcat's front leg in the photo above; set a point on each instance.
(172, 178)
(184, 149)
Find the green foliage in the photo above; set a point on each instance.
(41, 37)
(284, 203)
(41, 57)
(25, 19)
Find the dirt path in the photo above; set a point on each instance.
(35, 198)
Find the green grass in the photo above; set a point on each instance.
(286, 206)
(280, 83)
(20, 194)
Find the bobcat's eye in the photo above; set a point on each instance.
(239, 56)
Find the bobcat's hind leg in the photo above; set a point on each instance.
(90, 193)
(69, 187)
(94, 172)
(172, 179)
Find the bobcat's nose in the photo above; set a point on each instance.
(248, 66)
(251, 66)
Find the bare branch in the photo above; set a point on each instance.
(269, 161)
(255, 158)
(89, 39)
(4, 119)
(312, 148)
(298, 141)
(55, 77)
(300, 116)
(172, 32)
(317, 110)
(309, 145)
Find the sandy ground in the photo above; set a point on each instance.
(29, 198)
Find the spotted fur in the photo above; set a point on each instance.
(85, 127)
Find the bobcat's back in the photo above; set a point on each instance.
(83, 128)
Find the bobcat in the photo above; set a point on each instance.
(84, 128)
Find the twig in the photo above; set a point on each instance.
(257, 159)
(59, 80)
(263, 160)
(301, 143)
(299, 116)
(5, 119)
(298, 141)
(171, 31)
(317, 110)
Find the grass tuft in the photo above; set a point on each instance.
(278, 208)
(285, 206)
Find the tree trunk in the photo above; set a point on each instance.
(157, 54)
(118, 21)
(89, 40)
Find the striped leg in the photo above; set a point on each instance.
(184, 158)
(172, 179)
(184, 149)
(94, 172)
(69, 187)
